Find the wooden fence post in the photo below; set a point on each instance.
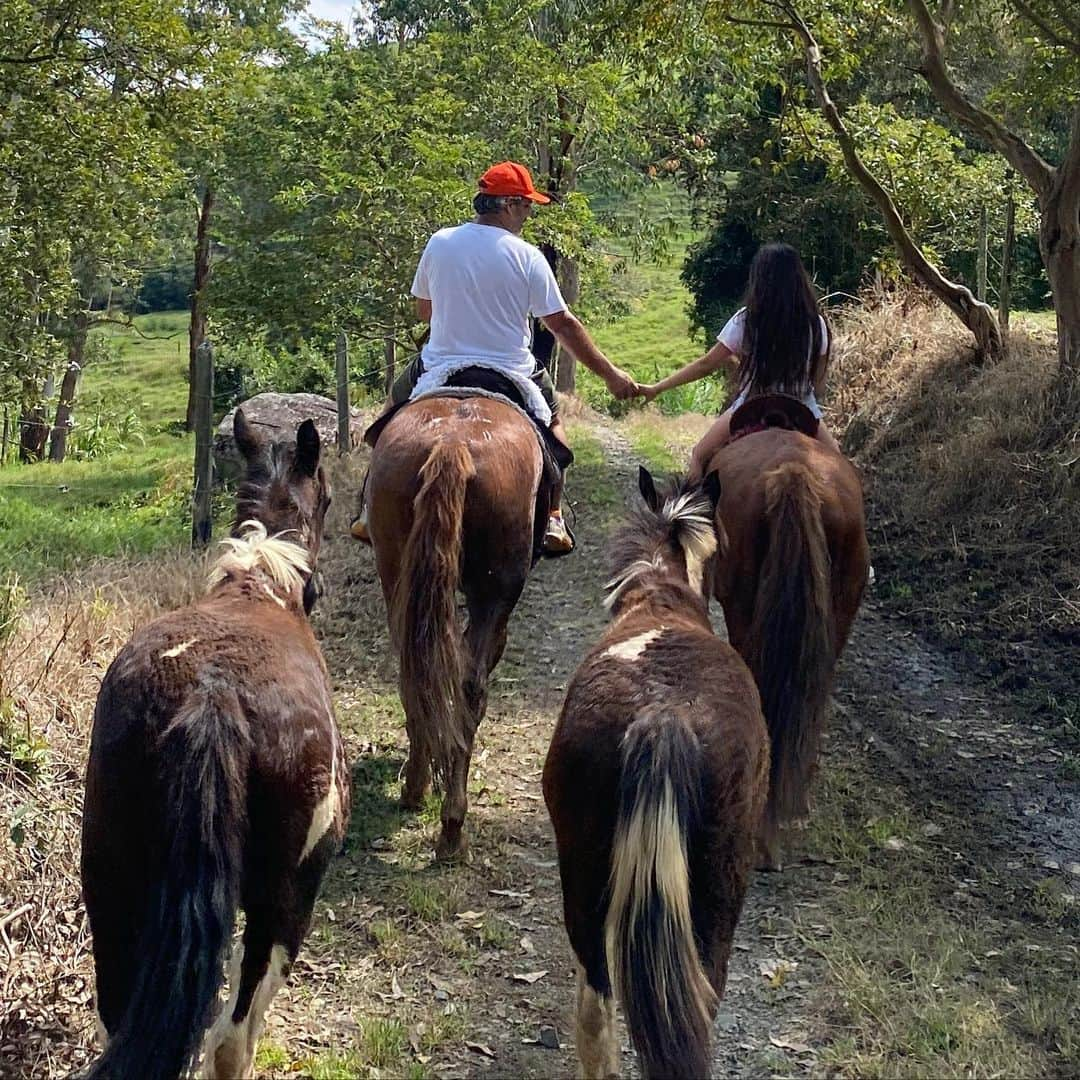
(981, 257)
(1004, 297)
(341, 367)
(389, 362)
(203, 393)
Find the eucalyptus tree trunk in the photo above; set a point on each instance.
(69, 386)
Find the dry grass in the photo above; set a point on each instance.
(975, 508)
(54, 650)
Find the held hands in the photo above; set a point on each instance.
(620, 385)
(648, 391)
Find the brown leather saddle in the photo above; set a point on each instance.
(772, 411)
(486, 382)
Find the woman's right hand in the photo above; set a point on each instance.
(648, 390)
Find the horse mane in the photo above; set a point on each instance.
(285, 561)
(685, 520)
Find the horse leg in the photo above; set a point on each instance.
(260, 966)
(596, 1037)
(485, 640)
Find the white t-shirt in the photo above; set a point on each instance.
(733, 336)
(483, 283)
(734, 333)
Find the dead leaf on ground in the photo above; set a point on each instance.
(480, 1048)
(527, 976)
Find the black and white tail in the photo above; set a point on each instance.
(652, 955)
(204, 755)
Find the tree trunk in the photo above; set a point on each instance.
(69, 387)
(570, 283)
(34, 425)
(197, 332)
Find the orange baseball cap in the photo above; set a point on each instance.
(510, 178)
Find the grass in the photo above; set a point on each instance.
(974, 509)
(134, 499)
(920, 981)
(655, 338)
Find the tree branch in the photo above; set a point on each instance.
(1041, 24)
(977, 316)
(1011, 146)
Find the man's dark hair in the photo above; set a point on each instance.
(487, 204)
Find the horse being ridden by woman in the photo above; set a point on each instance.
(792, 508)
(216, 780)
(655, 782)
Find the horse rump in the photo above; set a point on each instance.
(651, 949)
(203, 756)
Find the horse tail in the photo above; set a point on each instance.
(424, 609)
(204, 757)
(792, 636)
(649, 934)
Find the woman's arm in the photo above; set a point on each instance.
(717, 357)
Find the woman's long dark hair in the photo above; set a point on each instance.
(782, 329)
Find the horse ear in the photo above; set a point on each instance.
(648, 489)
(711, 486)
(307, 448)
(247, 442)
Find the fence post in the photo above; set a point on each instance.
(389, 362)
(981, 256)
(7, 432)
(341, 367)
(1004, 297)
(203, 390)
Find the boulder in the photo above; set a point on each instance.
(276, 417)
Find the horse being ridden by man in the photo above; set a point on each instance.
(460, 493)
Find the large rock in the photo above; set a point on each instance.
(276, 418)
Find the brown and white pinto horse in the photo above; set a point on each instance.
(790, 586)
(655, 782)
(452, 498)
(216, 779)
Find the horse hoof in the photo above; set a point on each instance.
(448, 851)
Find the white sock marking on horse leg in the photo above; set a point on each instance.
(223, 1025)
(596, 1046)
(322, 817)
(632, 648)
(230, 1047)
(102, 1031)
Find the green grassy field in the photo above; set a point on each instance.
(655, 338)
(125, 488)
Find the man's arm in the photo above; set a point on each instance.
(423, 310)
(575, 338)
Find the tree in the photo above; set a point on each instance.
(1056, 188)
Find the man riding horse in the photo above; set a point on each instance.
(477, 285)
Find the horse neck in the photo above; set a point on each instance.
(257, 586)
(668, 602)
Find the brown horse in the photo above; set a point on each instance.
(655, 781)
(792, 511)
(216, 779)
(452, 498)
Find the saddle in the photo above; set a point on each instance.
(486, 382)
(772, 411)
